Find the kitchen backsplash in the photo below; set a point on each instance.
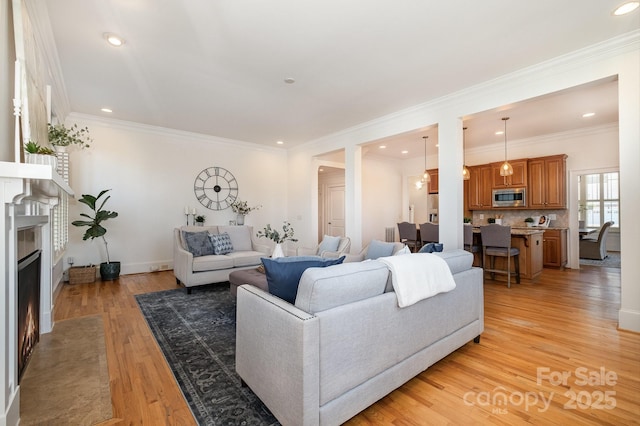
(516, 218)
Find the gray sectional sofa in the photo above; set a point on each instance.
(346, 343)
(191, 270)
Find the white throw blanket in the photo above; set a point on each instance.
(418, 276)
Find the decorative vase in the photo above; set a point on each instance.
(240, 219)
(277, 252)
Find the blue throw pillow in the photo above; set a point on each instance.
(431, 248)
(221, 243)
(283, 274)
(379, 249)
(198, 243)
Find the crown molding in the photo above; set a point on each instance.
(165, 132)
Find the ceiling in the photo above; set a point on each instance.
(218, 67)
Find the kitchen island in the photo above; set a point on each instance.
(528, 241)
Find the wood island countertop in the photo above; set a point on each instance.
(518, 231)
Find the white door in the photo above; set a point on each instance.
(335, 211)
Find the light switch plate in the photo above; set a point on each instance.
(481, 216)
(552, 216)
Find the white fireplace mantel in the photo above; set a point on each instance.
(27, 193)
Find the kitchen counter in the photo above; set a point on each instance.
(519, 231)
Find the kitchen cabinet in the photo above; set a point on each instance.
(433, 184)
(554, 248)
(480, 186)
(518, 178)
(547, 182)
(531, 253)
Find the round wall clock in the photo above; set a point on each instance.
(216, 188)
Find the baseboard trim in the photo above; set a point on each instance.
(629, 320)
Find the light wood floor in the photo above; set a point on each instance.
(564, 323)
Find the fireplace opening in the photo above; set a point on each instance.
(28, 308)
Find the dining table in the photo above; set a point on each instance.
(582, 232)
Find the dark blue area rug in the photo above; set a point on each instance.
(197, 334)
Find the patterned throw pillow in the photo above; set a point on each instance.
(221, 243)
(198, 243)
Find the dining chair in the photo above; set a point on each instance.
(409, 235)
(468, 242)
(429, 233)
(496, 242)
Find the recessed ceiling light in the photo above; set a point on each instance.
(588, 114)
(113, 39)
(625, 8)
(280, 142)
(500, 132)
(321, 170)
(289, 80)
(382, 146)
(106, 110)
(437, 145)
(405, 152)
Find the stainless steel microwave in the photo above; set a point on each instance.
(510, 197)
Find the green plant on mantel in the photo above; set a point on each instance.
(32, 147)
(60, 135)
(200, 218)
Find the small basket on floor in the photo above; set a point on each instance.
(82, 274)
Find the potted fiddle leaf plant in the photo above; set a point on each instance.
(108, 270)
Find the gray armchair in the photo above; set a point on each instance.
(344, 245)
(595, 248)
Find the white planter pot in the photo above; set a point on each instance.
(277, 252)
(49, 160)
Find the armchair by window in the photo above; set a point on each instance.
(596, 248)
(329, 247)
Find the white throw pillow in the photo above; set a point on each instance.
(404, 250)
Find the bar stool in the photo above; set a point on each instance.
(496, 242)
(468, 242)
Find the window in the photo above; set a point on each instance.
(599, 199)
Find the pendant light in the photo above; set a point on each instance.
(505, 169)
(466, 175)
(425, 176)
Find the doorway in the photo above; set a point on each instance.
(331, 202)
(599, 202)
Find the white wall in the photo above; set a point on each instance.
(7, 59)
(382, 204)
(151, 172)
